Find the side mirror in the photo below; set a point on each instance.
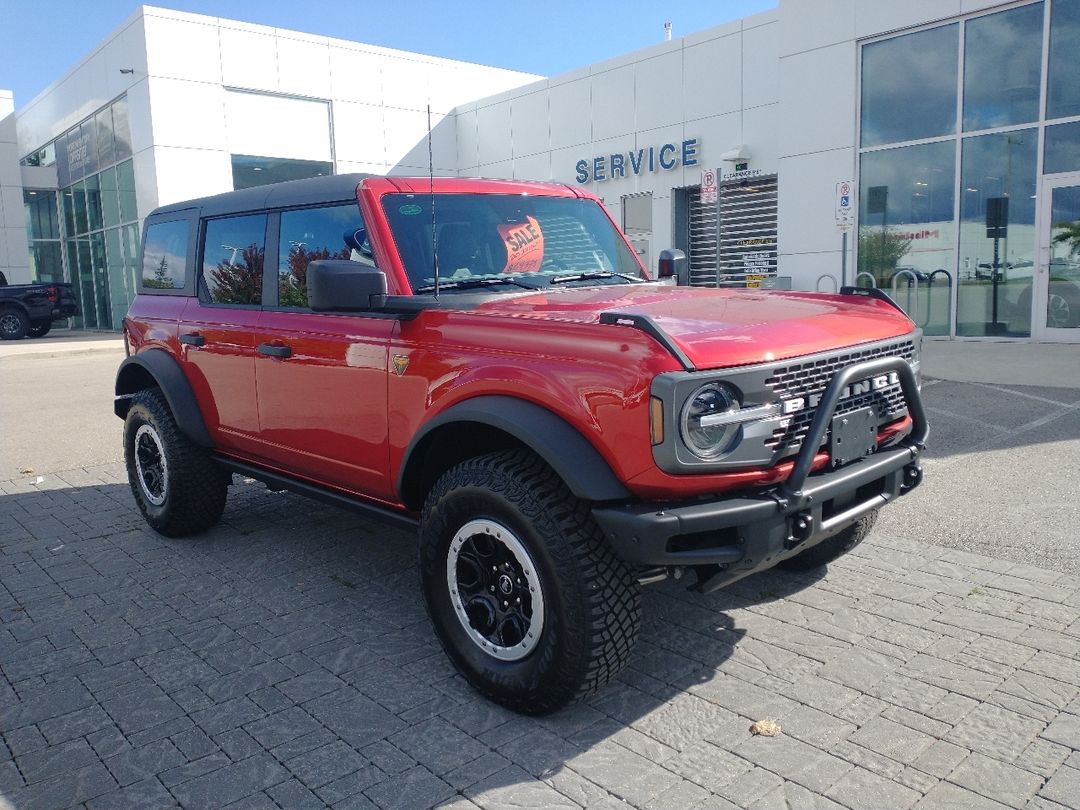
(334, 285)
(672, 264)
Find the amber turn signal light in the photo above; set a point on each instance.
(656, 420)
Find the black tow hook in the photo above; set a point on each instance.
(802, 526)
(912, 477)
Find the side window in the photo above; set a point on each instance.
(165, 255)
(309, 234)
(232, 265)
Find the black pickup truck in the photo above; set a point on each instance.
(30, 309)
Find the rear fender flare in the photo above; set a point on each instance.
(158, 367)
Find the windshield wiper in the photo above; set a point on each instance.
(475, 283)
(588, 275)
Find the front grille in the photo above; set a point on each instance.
(809, 378)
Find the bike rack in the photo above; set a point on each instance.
(930, 297)
(873, 281)
(912, 298)
(832, 278)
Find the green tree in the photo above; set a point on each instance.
(880, 251)
(239, 282)
(162, 279)
(292, 285)
(1068, 234)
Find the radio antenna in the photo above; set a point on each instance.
(431, 191)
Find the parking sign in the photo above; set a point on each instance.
(708, 186)
(845, 210)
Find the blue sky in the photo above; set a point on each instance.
(47, 37)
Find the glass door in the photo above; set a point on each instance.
(1056, 284)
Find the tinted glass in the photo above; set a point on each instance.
(313, 233)
(250, 170)
(909, 86)
(40, 209)
(522, 240)
(110, 200)
(906, 204)
(165, 255)
(232, 265)
(998, 189)
(93, 202)
(125, 180)
(106, 154)
(1063, 81)
(101, 280)
(79, 191)
(1002, 68)
(121, 129)
(1062, 148)
(1063, 300)
(46, 264)
(69, 212)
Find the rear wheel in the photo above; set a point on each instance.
(13, 324)
(40, 329)
(529, 601)
(178, 487)
(836, 546)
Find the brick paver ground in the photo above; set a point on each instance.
(284, 660)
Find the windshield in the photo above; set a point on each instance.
(508, 241)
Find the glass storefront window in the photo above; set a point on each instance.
(106, 153)
(250, 170)
(110, 199)
(909, 86)
(69, 211)
(1003, 68)
(997, 234)
(101, 279)
(121, 129)
(79, 191)
(1061, 150)
(906, 224)
(40, 206)
(125, 181)
(85, 284)
(46, 263)
(1063, 88)
(93, 202)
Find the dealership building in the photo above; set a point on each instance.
(930, 147)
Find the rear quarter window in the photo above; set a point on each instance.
(165, 247)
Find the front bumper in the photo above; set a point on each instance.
(741, 535)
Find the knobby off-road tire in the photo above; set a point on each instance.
(40, 329)
(828, 550)
(178, 487)
(13, 324)
(587, 601)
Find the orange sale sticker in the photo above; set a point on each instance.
(524, 246)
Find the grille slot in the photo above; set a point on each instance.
(810, 378)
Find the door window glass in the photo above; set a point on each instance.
(1061, 152)
(232, 265)
(909, 86)
(165, 255)
(1002, 68)
(309, 234)
(1063, 299)
(997, 234)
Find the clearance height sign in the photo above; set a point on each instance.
(664, 157)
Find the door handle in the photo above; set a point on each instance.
(270, 350)
(193, 340)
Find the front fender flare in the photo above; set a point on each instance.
(164, 371)
(551, 437)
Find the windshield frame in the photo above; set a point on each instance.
(619, 263)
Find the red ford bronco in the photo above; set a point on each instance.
(488, 361)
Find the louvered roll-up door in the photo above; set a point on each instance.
(701, 241)
(747, 252)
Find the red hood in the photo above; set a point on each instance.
(719, 328)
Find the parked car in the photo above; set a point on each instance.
(488, 363)
(30, 309)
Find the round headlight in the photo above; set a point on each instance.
(709, 441)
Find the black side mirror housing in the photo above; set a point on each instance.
(672, 264)
(336, 285)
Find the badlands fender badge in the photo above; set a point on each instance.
(401, 362)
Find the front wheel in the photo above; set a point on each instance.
(178, 487)
(529, 601)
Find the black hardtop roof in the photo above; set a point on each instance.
(313, 190)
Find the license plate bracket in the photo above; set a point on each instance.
(853, 435)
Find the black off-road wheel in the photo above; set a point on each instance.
(836, 546)
(13, 324)
(528, 599)
(178, 487)
(40, 329)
